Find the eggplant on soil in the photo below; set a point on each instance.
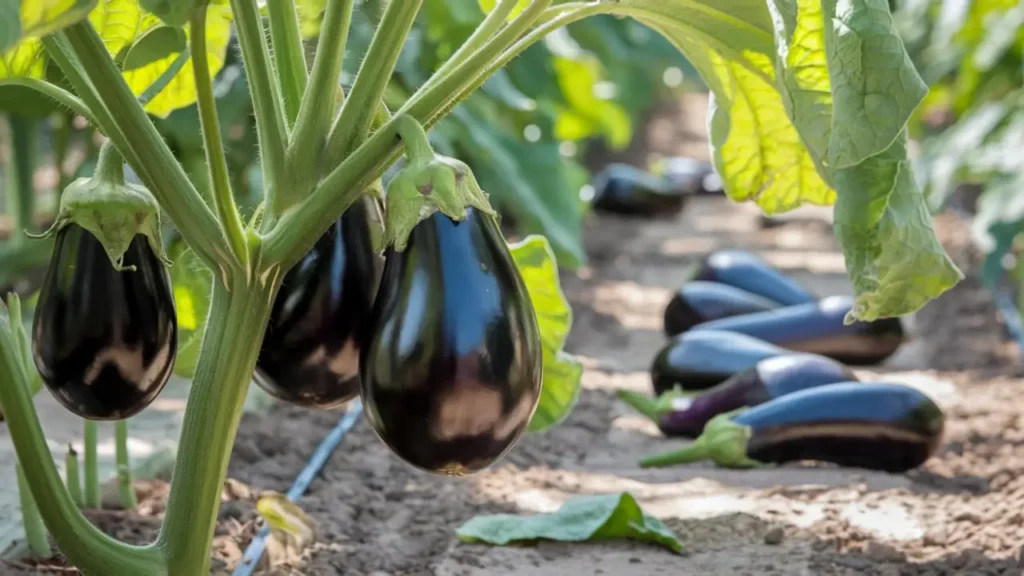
(625, 189)
(699, 301)
(818, 327)
(698, 360)
(684, 414)
(104, 340)
(874, 426)
(750, 272)
(310, 353)
(451, 373)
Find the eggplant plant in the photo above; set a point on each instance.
(781, 134)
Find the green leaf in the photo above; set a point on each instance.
(562, 373)
(580, 519)
(192, 284)
(152, 45)
(171, 12)
(37, 18)
(488, 5)
(26, 60)
(587, 114)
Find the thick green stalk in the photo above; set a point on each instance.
(71, 477)
(319, 104)
(55, 93)
(414, 140)
(214, 408)
(93, 496)
(35, 530)
(125, 489)
(288, 57)
(271, 130)
(23, 149)
(146, 150)
(214, 144)
(357, 113)
(84, 545)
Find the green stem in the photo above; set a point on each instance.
(696, 452)
(93, 496)
(35, 530)
(723, 441)
(84, 545)
(271, 131)
(491, 24)
(288, 57)
(414, 138)
(55, 93)
(110, 164)
(126, 490)
(318, 103)
(72, 478)
(353, 123)
(215, 158)
(24, 147)
(145, 148)
(212, 414)
(642, 403)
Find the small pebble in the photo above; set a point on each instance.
(635, 560)
(774, 535)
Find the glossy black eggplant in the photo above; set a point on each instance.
(818, 327)
(875, 426)
(699, 301)
(692, 176)
(750, 272)
(624, 189)
(103, 340)
(452, 372)
(685, 414)
(320, 318)
(700, 360)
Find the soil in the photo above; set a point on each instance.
(961, 513)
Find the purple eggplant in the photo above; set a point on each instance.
(684, 414)
(698, 302)
(693, 176)
(818, 328)
(700, 360)
(750, 272)
(627, 190)
(873, 426)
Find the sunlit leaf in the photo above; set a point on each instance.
(37, 18)
(488, 5)
(27, 59)
(192, 284)
(152, 45)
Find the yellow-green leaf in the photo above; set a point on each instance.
(589, 115)
(488, 5)
(37, 18)
(310, 16)
(26, 60)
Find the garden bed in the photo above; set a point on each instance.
(960, 514)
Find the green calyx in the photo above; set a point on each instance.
(653, 408)
(112, 210)
(723, 441)
(428, 183)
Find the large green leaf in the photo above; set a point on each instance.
(562, 373)
(37, 18)
(580, 519)
(192, 284)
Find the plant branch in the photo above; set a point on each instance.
(319, 103)
(35, 530)
(55, 93)
(357, 113)
(288, 57)
(271, 130)
(92, 472)
(491, 24)
(139, 142)
(214, 408)
(83, 544)
(220, 181)
(24, 148)
(71, 476)
(126, 490)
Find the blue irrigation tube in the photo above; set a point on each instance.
(254, 552)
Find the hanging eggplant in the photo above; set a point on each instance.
(698, 301)
(874, 426)
(310, 354)
(624, 189)
(451, 373)
(818, 327)
(747, 271)
(104, 340)
(706, 358)
(684, 414)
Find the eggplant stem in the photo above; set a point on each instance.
(92, 473)
(723, 441)
(696, 452)
(642, 403)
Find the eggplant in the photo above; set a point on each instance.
(750, 272)
(451, 373)
(684, 414)
(104, 341)
(874, 426)
(692, 176)
(698, 301)
(320, 318)
(818, 327)
(700, 360)
(624, 189)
